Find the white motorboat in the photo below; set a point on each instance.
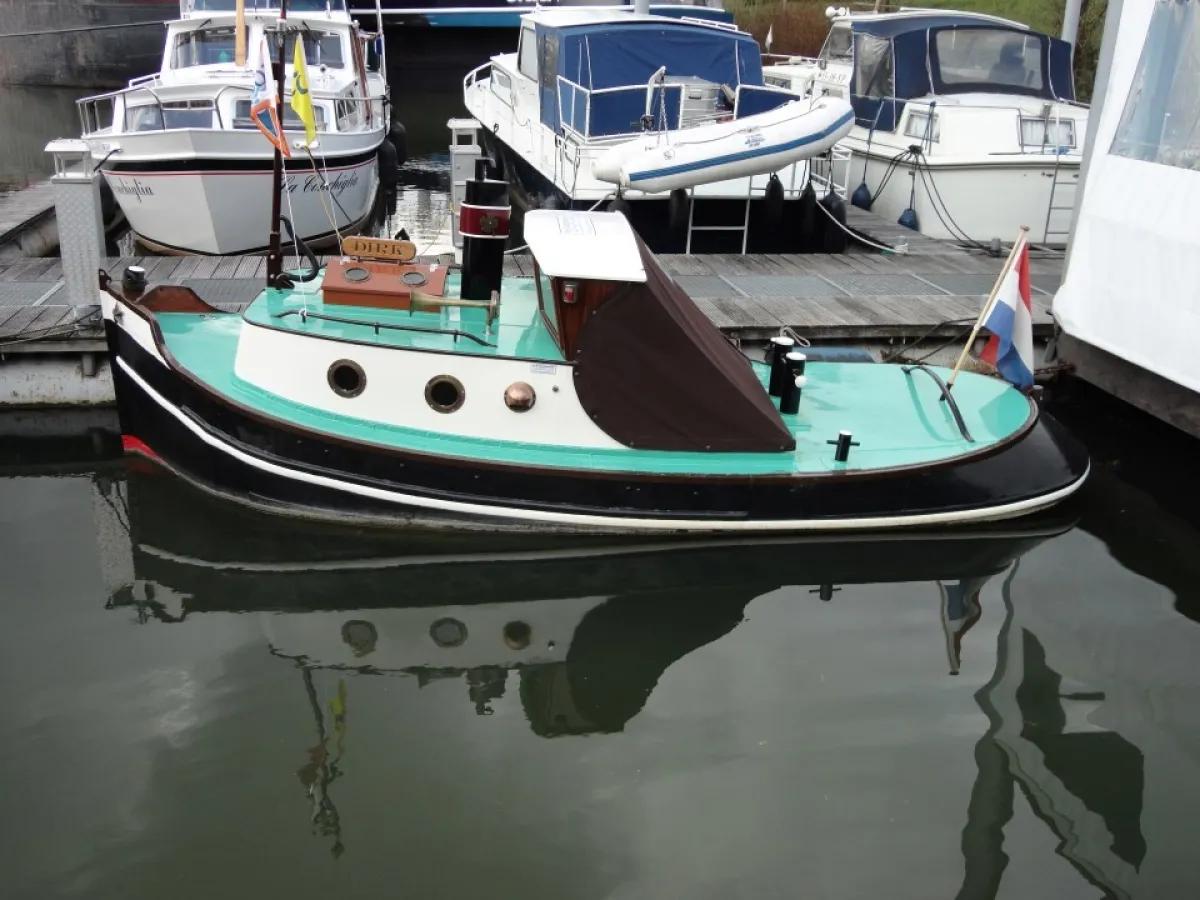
(185, 159)
(667, 120)
(966, 125)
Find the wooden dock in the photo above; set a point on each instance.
(863, 297)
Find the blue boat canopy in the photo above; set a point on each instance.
(603, 55)
(902, 57)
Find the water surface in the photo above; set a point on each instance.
(200, 702)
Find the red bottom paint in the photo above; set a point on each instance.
(130, 444)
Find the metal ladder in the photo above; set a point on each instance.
(1060, 181)
(744, 228)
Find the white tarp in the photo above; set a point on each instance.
(1132, 285)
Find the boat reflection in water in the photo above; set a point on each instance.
(587, 629)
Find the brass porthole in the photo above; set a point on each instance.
(347, 378)
(444, 393)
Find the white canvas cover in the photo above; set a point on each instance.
(1132, 284)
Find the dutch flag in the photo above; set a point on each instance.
(1010, 348)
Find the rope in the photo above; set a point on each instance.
(321, 194)
(899, 248)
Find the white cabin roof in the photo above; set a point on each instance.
(595, 246)
(921, 12)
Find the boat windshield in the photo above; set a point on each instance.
(204, 47)
(320, 49)
(991, 56)
(838, 45)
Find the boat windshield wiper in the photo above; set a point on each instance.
(946, 396)
(453, 332)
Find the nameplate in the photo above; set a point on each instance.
(378, 248)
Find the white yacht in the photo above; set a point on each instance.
(184, 157)
(667, 120)
(966, 125)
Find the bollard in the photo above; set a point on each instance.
(80, 220)
(793, 383)
(779, 348)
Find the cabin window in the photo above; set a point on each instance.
(241, 116)
(527, 55)
(549, 59)
(1038, 133)
(839, 46)
(204, 47)
(921, 127)
(991, 56)
(1161, 119)
(873, 75)
(320, 49)
(178, 114)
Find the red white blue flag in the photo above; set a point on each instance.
(263, 108)
(1010, 348)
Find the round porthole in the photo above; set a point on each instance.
(414, 279)
(360, 636)
(448, 632)
(356, 274)
(444, 393)
(347, 378)
(517, 635)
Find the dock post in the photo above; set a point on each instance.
(464, 150)
(80, 219)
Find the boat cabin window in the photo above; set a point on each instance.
(873, 76)
(320, 49)
(179, 114)
(527, 63)
(989, 56)
(839, 46)
(241, 116)
(204, 47)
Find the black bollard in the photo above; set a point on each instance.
(842, 447)
(779, 348)
(483, 224)
(793, 383)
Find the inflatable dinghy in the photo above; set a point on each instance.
(755, 145)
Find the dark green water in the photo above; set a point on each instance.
(198, 703)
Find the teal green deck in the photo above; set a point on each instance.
(898, 419)
(518, 332)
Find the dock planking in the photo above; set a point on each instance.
(932, 287)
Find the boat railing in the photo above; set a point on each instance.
(93, 112)
(617, 112)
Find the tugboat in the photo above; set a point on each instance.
(595, 396)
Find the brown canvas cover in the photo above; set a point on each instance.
(656, 374)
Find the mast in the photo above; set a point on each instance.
(274, 249)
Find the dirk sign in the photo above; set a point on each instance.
(379, 248)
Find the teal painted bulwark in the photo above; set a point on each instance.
(898, 419)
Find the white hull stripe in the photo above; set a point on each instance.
(612, 522)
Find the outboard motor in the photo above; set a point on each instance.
(483, 222)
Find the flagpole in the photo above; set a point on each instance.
(991, 301)
(274, 249)
(239, 41)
